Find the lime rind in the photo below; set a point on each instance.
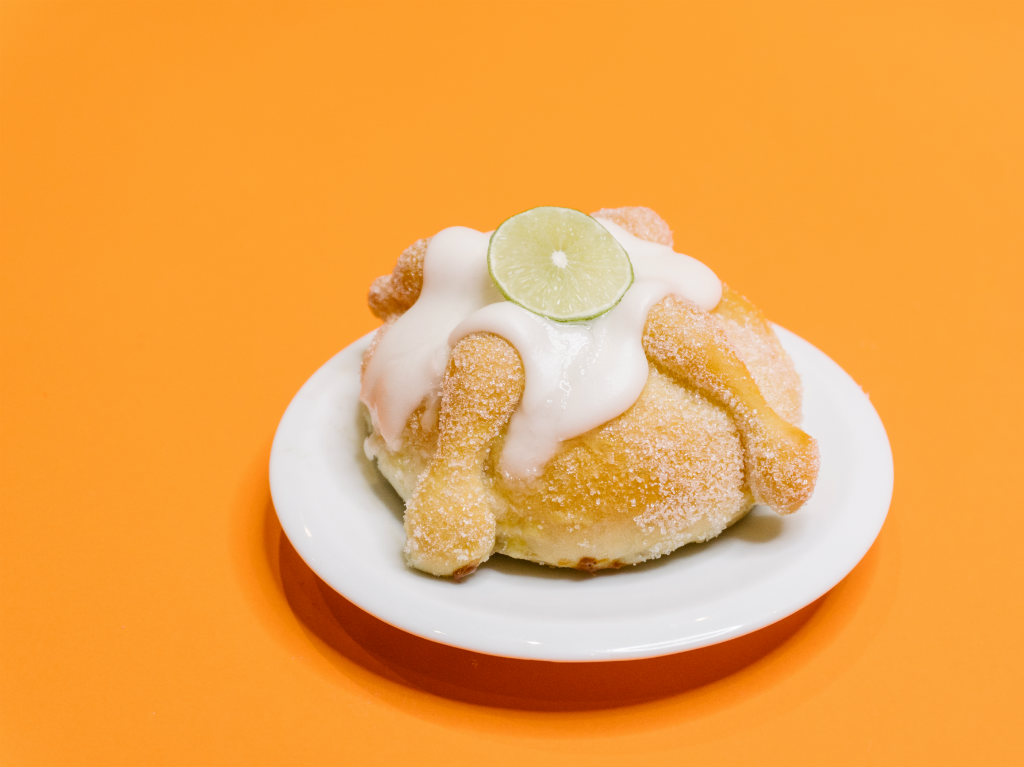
(559, 263)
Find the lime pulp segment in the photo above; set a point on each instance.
(559, 263)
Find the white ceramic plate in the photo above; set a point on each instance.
(345, 522)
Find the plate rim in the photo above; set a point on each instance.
(283, 457)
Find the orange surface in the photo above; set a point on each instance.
(195, 197)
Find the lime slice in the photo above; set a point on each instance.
(559, 263)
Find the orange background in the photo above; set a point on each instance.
(195, 197)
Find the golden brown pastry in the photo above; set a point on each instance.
(712, 432)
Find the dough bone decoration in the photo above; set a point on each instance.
(571, 391)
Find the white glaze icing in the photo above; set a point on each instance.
(578, 375)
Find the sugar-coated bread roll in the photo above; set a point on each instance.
(468, 436)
